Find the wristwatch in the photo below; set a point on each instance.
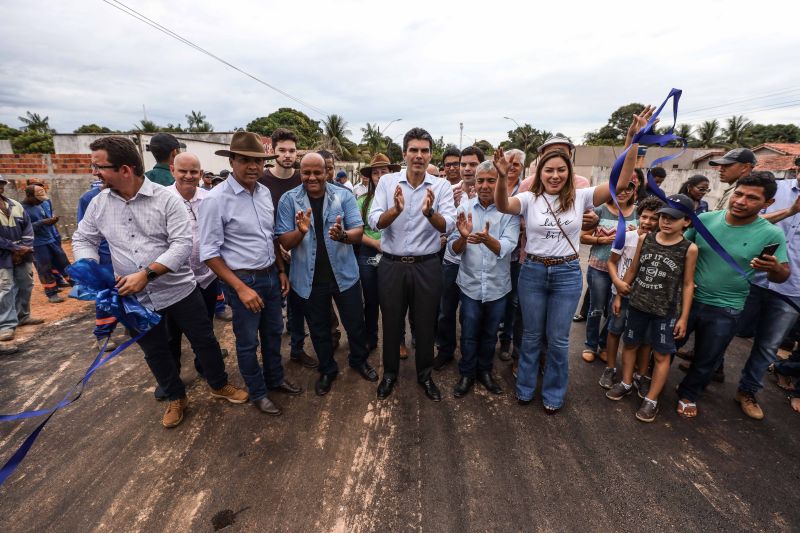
(151, 274)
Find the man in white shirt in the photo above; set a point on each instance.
(412, 209)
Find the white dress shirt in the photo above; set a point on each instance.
(202, 273)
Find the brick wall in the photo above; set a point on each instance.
(71, 163)
(24, 163)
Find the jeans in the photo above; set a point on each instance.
(714, 328)
(294, 319)
(317, 313)
(512, 304)
(479, 324)
(775, 319)
(265, 326)
(16, 285)
(548, 297)
(368, 269)
(448, 305)
(599, 293)
(200, 332)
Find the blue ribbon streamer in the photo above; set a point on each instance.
(94, 281)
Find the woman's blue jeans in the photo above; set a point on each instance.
(548, 297)
(599, 295)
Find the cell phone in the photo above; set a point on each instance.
(769, 249)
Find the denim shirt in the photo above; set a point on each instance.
(484, 276)
(338, 202)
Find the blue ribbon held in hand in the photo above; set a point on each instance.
(93, 282)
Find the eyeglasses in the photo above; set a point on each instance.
(451, 164)
(95, 167)
(702, 189)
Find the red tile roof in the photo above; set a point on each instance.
(783, 148)
(777, 162)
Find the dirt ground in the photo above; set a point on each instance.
(348, 462)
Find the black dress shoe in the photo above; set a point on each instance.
(266, 406)
(488, 382)
(367, 372)
(286, 387)
(524, 402)
(302, 358)
(431, 390)
(323, 385)
(463, 386)
(441, 360)
(385, 387)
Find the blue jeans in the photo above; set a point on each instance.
(599, 293)
(16, 285)
(368, 270)
(448, 304)
(479, 324)
(266, 326)
(351, 310)
(714, 328)
(774, 319)
(548, 297)
(512, 304)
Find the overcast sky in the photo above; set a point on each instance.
(563, 66)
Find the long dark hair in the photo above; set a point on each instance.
(368, 197)
(694, 181)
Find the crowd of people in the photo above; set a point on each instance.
(473, 241)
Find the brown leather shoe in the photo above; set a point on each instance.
(403, 352)
(174, 414)
(231, 393)
(747, 401)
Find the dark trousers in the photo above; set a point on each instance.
(417, 286)
(448, 306)
(198, 329)
(508, 330)
(317, 313)
(714, 328)
(209, 295)
(368, 271)
(50, 261)
(479, 324)
(294, 321)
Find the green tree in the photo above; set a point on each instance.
(486, 146)
(393, 150)
(373, 139)
(438, 150)
(762, 133)
(613, 133)
(197, 122)
(173, 128)
(707, 134)
(146, 126)
(334, 138)
(307, 130)
(735, 133)
(35, 122)
(7, 132)
(33, 142)
(525, 138)
(92, 128)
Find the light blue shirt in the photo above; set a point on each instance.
(484, 276)
(238, 226)
(411, 233)
(787, 193)
(339, 201)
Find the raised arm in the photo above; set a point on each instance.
(504, 203)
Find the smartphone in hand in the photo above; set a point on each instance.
(769, 249)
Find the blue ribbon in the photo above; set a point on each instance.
(94, 281)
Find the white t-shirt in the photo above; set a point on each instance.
(543, 236)
(626, 255)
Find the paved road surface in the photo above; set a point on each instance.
(347, 462)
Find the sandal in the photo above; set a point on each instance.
(588, 356)
(784, 382)
(603, 356)
(687, 409)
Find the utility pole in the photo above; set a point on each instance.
(460, 134)
(144, 112)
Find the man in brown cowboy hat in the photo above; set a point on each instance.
(237, 243)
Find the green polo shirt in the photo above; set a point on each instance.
(160, 174)
(368, 231)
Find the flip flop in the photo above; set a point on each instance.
(588, 356)
(683, 407)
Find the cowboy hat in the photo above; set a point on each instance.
(248, 144)
(379, 160)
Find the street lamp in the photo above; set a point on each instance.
(527, 142)
(386, 127)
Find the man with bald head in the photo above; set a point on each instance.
(320, 223)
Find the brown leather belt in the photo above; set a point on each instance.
(259, 272)
(550, 261)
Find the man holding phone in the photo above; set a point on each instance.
(721, 293)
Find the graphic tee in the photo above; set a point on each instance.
(544, 238)
(659, 282)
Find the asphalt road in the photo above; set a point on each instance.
(347, 462)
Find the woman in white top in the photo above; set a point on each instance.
(550, 280)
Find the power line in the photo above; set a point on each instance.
(153, 24)
(771, 107)
(764, 96)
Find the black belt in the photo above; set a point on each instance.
(259, 272)
(550, 261)
(409, 258)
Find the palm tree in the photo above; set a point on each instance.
(34, 122)
(146, 126)
(197, 122)
(735, 133)
(373, 138)
(708, 134)
(334, 138)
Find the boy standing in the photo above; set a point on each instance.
(662, 280)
